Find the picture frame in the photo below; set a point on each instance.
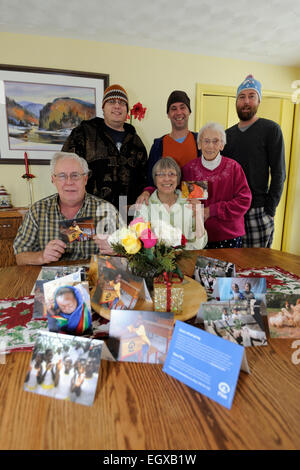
(39, 107)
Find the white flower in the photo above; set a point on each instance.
(171, 236)
(118, 235)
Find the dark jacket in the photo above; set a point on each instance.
(114, 173)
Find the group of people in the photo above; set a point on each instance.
(68, 375)
(103, 170)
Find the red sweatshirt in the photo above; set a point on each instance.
(229, 197)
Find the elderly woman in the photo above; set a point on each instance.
(229, 196)
(167, 204)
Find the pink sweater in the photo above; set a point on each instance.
(229, 197)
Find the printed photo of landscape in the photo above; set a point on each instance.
(41, 116)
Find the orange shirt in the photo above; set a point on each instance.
(181, 152)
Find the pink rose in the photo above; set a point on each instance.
(148, 238)
(137, 220)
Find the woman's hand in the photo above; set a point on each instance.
(142, 199)
(103, 245)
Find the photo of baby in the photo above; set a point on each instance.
(68, 307)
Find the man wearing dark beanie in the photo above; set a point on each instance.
(180, 143)
(116, 156)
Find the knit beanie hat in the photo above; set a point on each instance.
(250, 84)
(115, 92)
(178, 96)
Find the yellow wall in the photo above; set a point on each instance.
(149, 75)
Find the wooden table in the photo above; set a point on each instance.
(137, 406)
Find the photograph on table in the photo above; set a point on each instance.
(111, 262)
(77, 230)
(68, 307)
(194, 189)
(118, 289)
(237, 321)
(64, 367)
(283, 312)
(140, 336)
(208, 269)
(50, 273)
(236, 288)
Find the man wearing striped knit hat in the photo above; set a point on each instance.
(116, 156)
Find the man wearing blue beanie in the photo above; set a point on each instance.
(257, 145)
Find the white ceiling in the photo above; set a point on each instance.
(261, 30)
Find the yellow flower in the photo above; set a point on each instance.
(138, 226)
(131, 244)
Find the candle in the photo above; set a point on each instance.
(26, 163)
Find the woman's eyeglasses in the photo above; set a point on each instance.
(170, 174)
(210, 141)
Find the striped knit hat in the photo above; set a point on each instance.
(115, 92)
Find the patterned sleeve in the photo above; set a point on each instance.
(75, 143)
(27, 235)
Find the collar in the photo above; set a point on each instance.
(82, 208)
(211, 164)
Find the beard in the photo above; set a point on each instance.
(247, 112)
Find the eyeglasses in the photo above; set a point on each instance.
(116, 101)
(210, 141)
(73, 176)
(170, 174)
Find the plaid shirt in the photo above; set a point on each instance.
(41, 225)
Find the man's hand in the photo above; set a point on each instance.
(103, 245)
(53, 251)
(142, 199)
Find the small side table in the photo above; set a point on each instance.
(10, 220)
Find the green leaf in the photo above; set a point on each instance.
(25, 312)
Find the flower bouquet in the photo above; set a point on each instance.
(152, 250)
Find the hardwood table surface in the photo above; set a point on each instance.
(138, 406)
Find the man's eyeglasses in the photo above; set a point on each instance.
(116, 101)
(170, 174)
(73, 176)
(210, 141)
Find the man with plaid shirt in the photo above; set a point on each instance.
(38, 239)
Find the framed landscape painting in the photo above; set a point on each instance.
(40, 107)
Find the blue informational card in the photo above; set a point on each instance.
(204, 362)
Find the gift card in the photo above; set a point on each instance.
(204, 362)
(283, 312)
(64, 367)
(194, 189)
(208, 269)
(77, 230)
(68, 306)
(140, 336)
(238, 321)
(118, 289)
(242, 288)
(49, 273)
